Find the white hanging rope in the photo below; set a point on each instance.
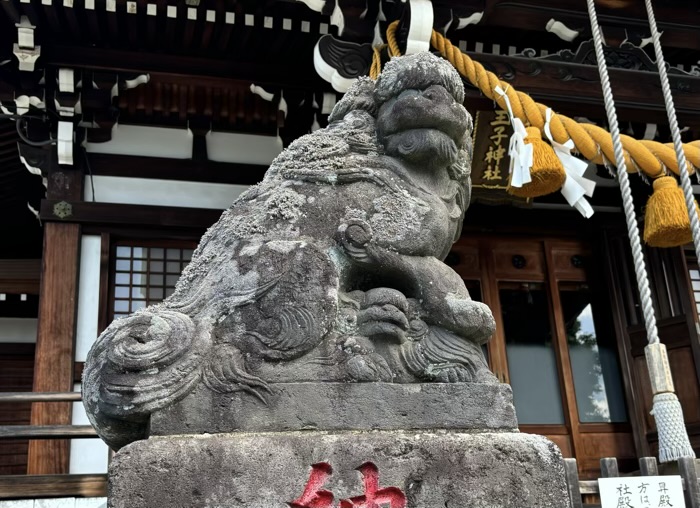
(675, 131)
(673, 436)
(623, 179)
(667, 411)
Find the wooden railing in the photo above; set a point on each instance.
(581, 491)
(55, 485)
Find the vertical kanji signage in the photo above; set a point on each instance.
(490, 164)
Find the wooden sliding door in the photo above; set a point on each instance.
(675, 285)
(554, 342)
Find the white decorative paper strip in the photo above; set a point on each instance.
(520, 152)
(576, 186)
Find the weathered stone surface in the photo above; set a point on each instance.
(319, 300)
(431, 470)
(343, 406)
(329, 270)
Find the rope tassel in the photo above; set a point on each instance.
(673, 438)
(666, 222)
(546, 173)
(667, 411)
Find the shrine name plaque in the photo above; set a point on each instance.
(491, 162)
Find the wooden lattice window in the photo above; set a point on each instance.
(694, 273)
(693, 276)
(144, 274)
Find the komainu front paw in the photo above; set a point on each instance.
(472, 320)
(449, 373)
(460, 374)
(384, 314)
(370, 367)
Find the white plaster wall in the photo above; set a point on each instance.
(147, 142)
(177, 144)
(88, 295)
(18, 330)
(65, 502)
(87, 456)
(243, 148)
(151, 191)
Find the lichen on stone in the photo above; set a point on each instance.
(423, 71)
(394, 219)
(285, 204)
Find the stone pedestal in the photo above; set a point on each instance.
(342, 406)
(269, 470)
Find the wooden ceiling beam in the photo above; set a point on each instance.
(20, 276)
(545, 79)
(11, 10)
(679, 24)
(298, 73)
(578, 85)
(144, 216)
(176, 169)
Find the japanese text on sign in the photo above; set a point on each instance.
(490, 161)
(497, 147)
(642, 492)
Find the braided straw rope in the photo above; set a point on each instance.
(393, 50)
(593, 142)
(376, 66)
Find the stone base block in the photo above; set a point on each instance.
(342, 406)
(321, 469)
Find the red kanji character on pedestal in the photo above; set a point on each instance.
(374, 497)
(313, 496)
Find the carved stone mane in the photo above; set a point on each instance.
(329, 270)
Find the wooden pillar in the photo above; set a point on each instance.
(53, 364)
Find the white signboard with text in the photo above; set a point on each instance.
(642, 492)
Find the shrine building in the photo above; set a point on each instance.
(128, 126)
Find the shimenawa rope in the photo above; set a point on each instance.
(593, 142)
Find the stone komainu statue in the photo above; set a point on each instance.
(328, 270)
